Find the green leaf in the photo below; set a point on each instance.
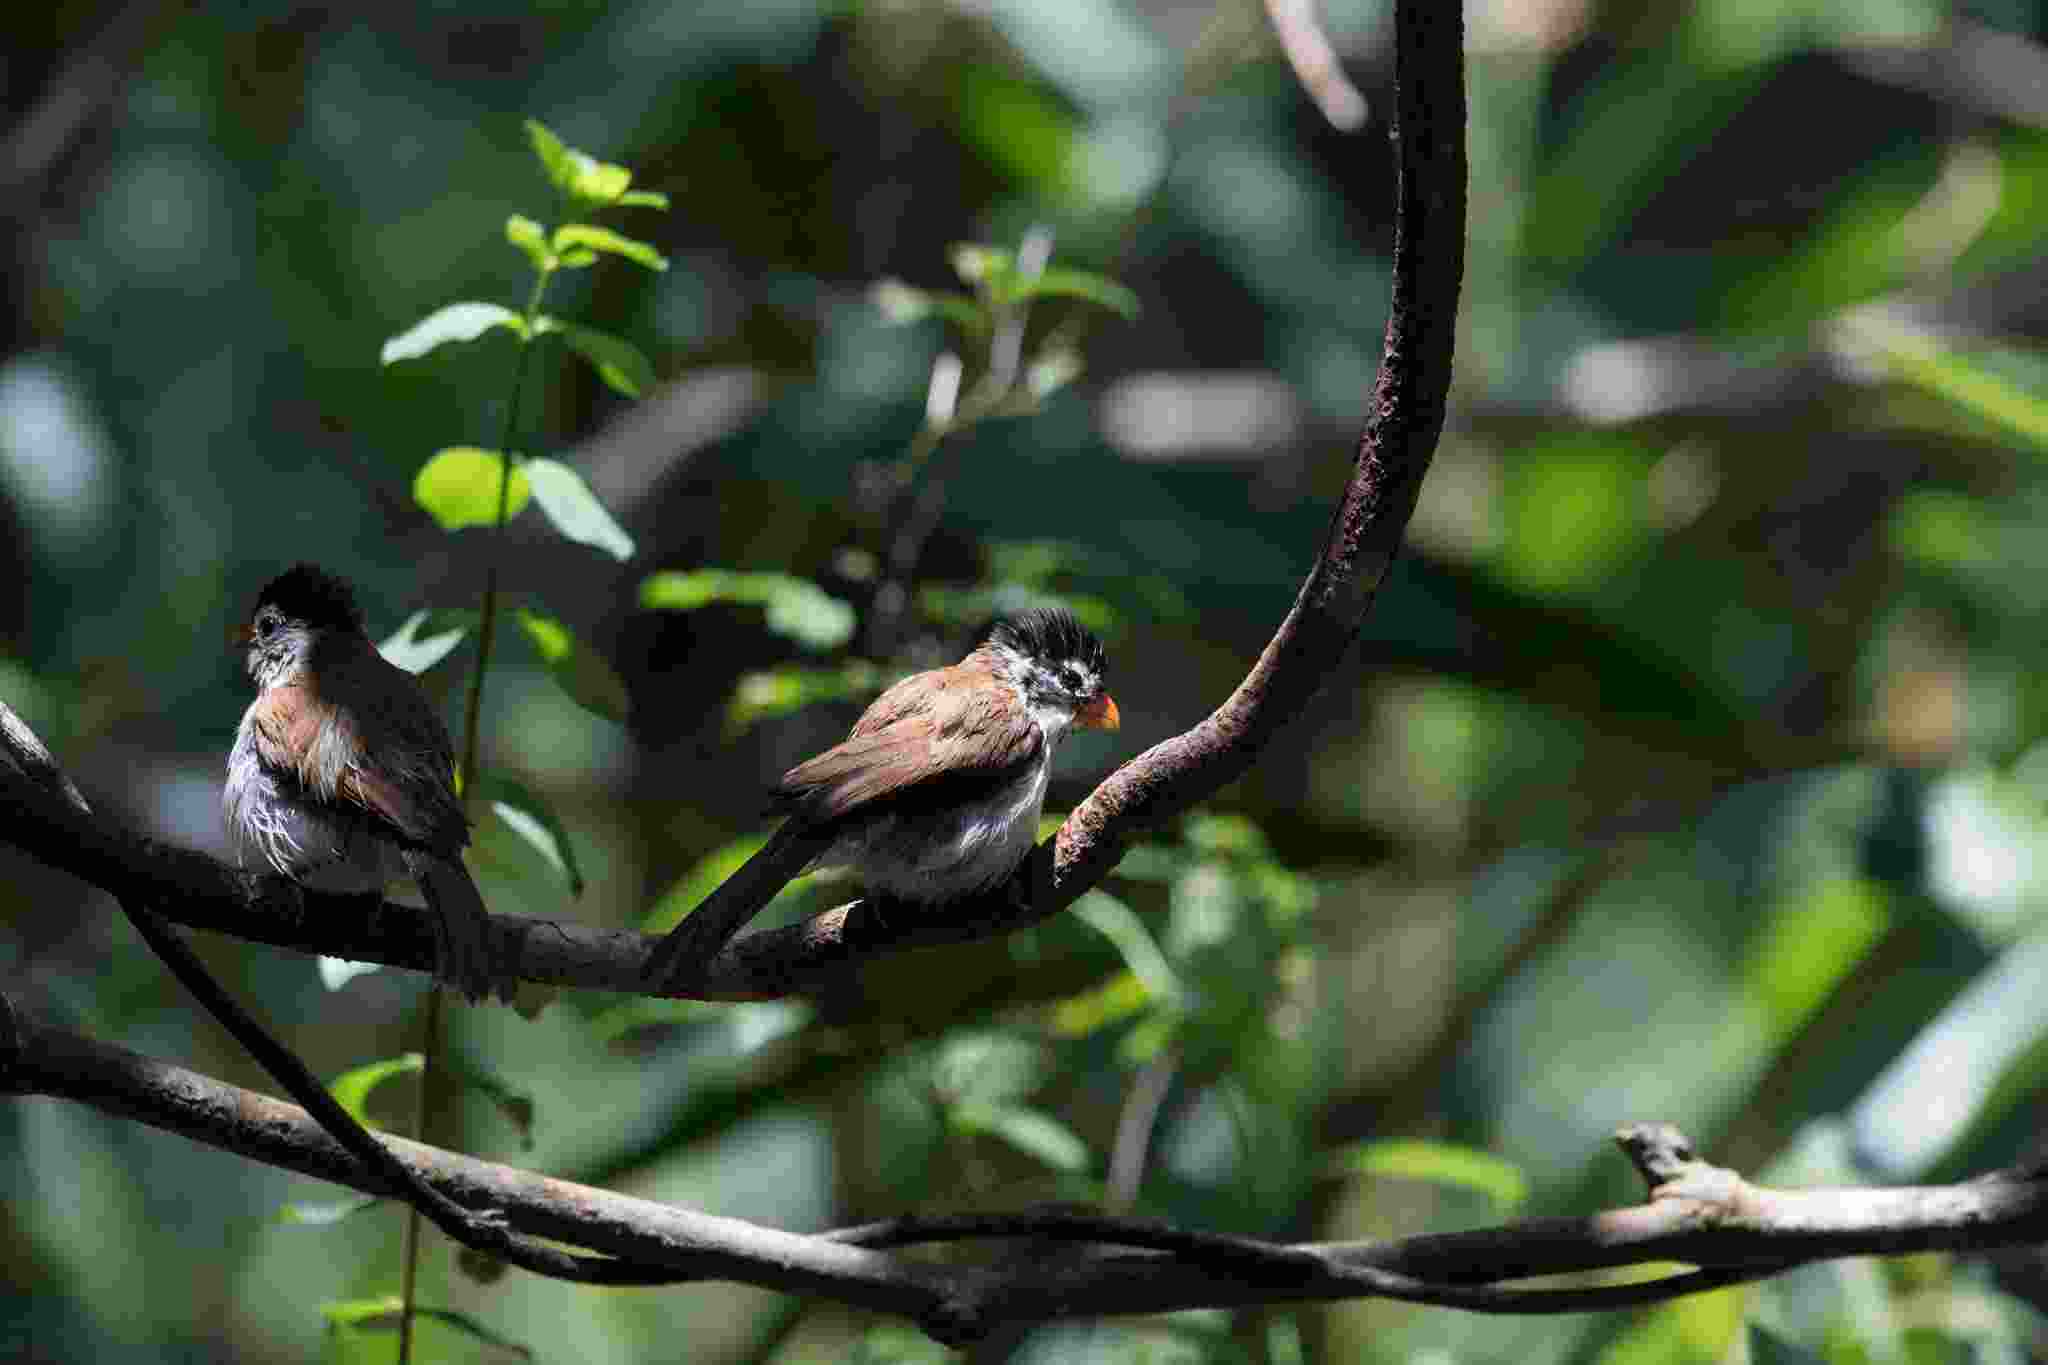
(351, 1089)
(618, 362)
(589, 236)
(642, 199)
(529, 817)
(982, 266)
(381, 1314)
(769, 693)
(578, 257)
(1030, 1131)
(460, 487)
(325, 1215)
(426, 637)
(1967, 385)
(531, 238)
(456, 322)
(577, 668)
(901, 303)
(1440, 1163)
(701, 880)
(1118, 923)
(580, 176)
(1059, 282)
(575, 511)
(797, 608)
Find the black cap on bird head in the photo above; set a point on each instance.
(1050, 633)
(308, 593)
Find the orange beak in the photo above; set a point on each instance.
(1100, 714)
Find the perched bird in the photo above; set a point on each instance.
(935, 794)
(342, 776)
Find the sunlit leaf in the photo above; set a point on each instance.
(461, 486)
(575, 666)
(980, 265)
(381, 1314)
(582, 177)
(642, 199)
(1809, 945)
(574, 510)
(529, 817)
(901, 303)
(768, 693)
(336, 972)
(700, 881)
(456, 322)
(1116, 999)
(1966, 384)
(591, 237)
(532, 239)
(328, 1214)
(351, 1089)
(1440, 1163)
(1937, 528)
(426, 637)
(1036, 1134)
(1118, 923)
(796, 607)
(1060, 282)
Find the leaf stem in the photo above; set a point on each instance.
(429, 1089)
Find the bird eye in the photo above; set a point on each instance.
(266, 625)
(1071, 676)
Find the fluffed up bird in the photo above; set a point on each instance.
(342, 776)
(936, 793)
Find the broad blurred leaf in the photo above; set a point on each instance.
(1811, 944)
(1118, 923)
(456, 322)
(575, 511)
(461, 486)
(528, 816)
(987, 1067)
(1967, 384)
(901, 303)
(618, 362)
(588, 182)
(701, 880)
(579, 669)
(1116, 999)
(1031, 1131)
(427, 636)
(1768, 1348)
(1440, 1163)
(382, 1315)
(769, 693)
(796, 607)
(589, 236)
(1061, 282)
(1050, 371)
(351, 1089)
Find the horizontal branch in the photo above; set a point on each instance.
(1697, 1213)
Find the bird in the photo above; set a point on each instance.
(936, 793)
(342, 776)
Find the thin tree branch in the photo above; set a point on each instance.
(1697, 1213)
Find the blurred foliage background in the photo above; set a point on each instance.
(1691, 766)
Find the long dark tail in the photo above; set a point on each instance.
(726, 911)
(463, 936)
